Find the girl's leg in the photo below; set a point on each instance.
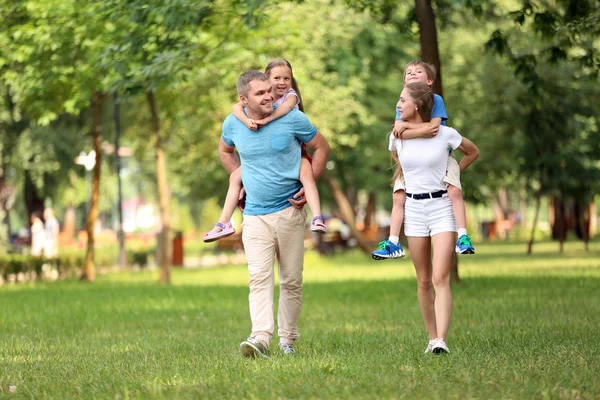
(310, 187)
(231, 200)
(420, 251)
(443, 249)
(224, 228)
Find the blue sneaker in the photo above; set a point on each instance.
(387, 250)
(464, 246)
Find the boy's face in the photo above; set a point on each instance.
(416, 73)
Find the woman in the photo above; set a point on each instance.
(429, 220)
(38, 235)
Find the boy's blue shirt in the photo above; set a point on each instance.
(270, 158)
(439, 109)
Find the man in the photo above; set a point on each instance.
(52, 231)
(274, 219)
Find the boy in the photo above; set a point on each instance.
(420, 71)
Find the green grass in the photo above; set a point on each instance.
(523, 327)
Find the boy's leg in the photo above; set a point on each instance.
(223, 227)
(397, 217)
(392, 248)
(452, 178)
(312, 196)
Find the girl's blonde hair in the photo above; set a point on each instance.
(280, 62)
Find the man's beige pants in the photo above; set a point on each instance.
(268, 237)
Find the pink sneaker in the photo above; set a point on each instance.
(318, 225)
(226, 230)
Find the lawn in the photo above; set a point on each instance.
(523, 327)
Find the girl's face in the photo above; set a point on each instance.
(407, 106)
(281, 80)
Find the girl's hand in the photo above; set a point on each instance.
(262, 122)
(251, 124)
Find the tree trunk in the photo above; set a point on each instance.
(370, 211)
(538, 203)
(163, 194)
(428, 39)
(559, 230)
(430, 54)
(454, 277)
(89, 267)
(582, 218)
(347, 212)
(120, 233)
(4, 210)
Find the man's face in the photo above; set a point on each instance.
(259, 100)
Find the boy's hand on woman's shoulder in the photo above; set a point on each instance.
(399, 127)
(431, 130)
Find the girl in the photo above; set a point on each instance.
(428, 217)
(286, 96)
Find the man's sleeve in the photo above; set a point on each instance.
(303, 129)
(226, 131)
(439, 109)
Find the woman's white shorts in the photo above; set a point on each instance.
(428, 217)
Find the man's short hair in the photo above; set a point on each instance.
(243, 83)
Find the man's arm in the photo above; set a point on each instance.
(470, 151)
(228, 156)
(321, 150)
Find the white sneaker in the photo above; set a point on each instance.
(440, 347)
(429, 348)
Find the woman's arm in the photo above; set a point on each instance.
(470, 151)
(280, 111)
(238, 111)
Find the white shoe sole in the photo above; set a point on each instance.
(467, 251)
(392, 257)
(251, 351)
(218, 235)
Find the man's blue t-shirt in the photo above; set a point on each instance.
(439, 109)
(270, 158)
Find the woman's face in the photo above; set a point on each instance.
(281, 80)
(407, 106)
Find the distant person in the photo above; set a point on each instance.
(404, 131)
(429, 222)
(38, 235)
(286, 97)
(52, 230)
(273, 227)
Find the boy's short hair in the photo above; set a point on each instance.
(243, 83)
(429, 68)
